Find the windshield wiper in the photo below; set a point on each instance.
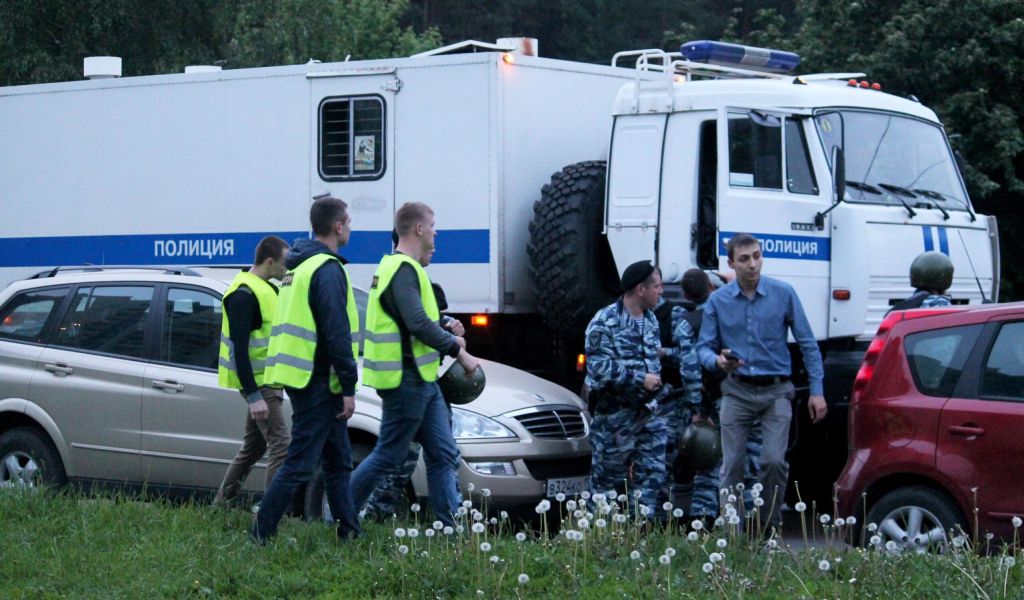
(933, 198)
(935, 195)
(899, 193)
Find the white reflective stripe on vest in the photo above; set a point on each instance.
(300, 332)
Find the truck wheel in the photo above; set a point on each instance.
(29, 460)
(918, 519)
(571, 264)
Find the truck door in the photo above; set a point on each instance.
(768, 187)
(634, 187)
(353, 155)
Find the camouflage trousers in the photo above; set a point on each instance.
(707, 484)
(628, 447)
(391, 494)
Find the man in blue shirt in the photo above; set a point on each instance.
(744, 334)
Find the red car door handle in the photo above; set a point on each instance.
(966, 431)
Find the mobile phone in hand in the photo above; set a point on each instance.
(731, 356)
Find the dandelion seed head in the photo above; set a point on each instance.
(872, 526)
(413, 532)
(637, 493)
(560, 497)
(470, 486)
(707, 567)
(620, 498)
(734, 520)
(520, 537)
(485, 547)
(670, 551)
(851, 520)
(403, 549)
(677, 513)
(667, 507)
(503, 514)
(523, 579)
(732, 498)
(719, 522)
(619, 518)
(468, 504)
(1008, 561)
(989, 536)
(546, 504)
(486, 492)
(740, 487)
(462, 511)
(459, 529)
(634, 555)
(664, 559)
(824, 565)
(715, 557)
(692, 536)
(478, 528)
(606, 508)
(800, 507)
(891, 546)
(876, 540)
(414, 507)
(570, 505)
(1016, 522)
(429, 533)
(600, 523)
(585, 495)
(721, 543)
(824, 519)
(755, 494)
(757, 487)
(697, 525)
(583, 524)
(438, 525)
(645, 510)
(758, 501)
(773, 543)
(448, 530)
(478, 516)
(840, 522)
(399, 533)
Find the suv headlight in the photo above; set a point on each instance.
(468, 425)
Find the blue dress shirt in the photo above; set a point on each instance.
(756, 329)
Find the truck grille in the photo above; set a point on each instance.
(542, 469)
(559, 424)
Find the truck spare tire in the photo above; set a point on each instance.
(571, 265)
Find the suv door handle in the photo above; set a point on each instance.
(966, 431)
(59, 369)
(169, 385)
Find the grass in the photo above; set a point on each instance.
(65, 545)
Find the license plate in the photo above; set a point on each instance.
(568, 486)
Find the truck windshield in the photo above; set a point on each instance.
(889, 158)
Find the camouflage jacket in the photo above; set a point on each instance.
(685, 342)
(935, 300)
(620, 352)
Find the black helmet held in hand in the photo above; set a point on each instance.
(700, 447)
(459, 388)
(932, 271)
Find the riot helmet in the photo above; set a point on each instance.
(932, 271)
(700, 446)
(458, 388)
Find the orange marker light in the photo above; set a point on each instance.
(852, 83)
(581, 362)
(876, 86)
(478, 320)
(864, 84)
(841, 294)
(508, 58)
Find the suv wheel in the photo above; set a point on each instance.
(28, 460)
(917, 518)
(314, 506)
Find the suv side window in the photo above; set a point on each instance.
(1003, 378)
(26, 316)
(937, 357)
(109, 319)
(191, 329)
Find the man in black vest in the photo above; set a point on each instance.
(931, 274)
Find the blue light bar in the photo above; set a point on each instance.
(735, 55)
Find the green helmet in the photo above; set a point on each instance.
(460, 388)
(932, 271)
(700, 448)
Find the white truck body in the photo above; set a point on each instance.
(193, 169)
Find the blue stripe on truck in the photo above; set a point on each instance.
(458, 246)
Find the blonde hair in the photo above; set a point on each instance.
(409, 215)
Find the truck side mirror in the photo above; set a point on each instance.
(838, 185)
(838, 175)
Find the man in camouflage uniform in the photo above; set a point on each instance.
(931, 274)
(686, 327)
(624, 374)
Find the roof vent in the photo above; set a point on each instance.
(202, 69)
(102, 67)
(520, 45)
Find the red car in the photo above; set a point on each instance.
(936, 426)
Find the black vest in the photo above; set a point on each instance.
(669, 373)
(914, 301)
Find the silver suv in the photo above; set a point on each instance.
(108, 375)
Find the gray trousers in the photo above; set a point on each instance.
(260, 436)
(742, 406)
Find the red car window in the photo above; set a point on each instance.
(937, 357)
(1003, 378)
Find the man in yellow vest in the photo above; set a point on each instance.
(312, 353)
(404, 342)
(249, 306)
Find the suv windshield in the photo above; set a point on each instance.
(889, 157)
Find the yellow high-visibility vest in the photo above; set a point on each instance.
(259, 339)
(294, 336)
(382, 352)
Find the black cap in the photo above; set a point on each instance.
(636, 273)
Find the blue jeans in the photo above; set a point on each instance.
(415, 410)
(316, 432)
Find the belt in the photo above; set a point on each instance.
(761, 380)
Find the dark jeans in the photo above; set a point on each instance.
(415, 410)
(316, 432)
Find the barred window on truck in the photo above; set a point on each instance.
(351, 138)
